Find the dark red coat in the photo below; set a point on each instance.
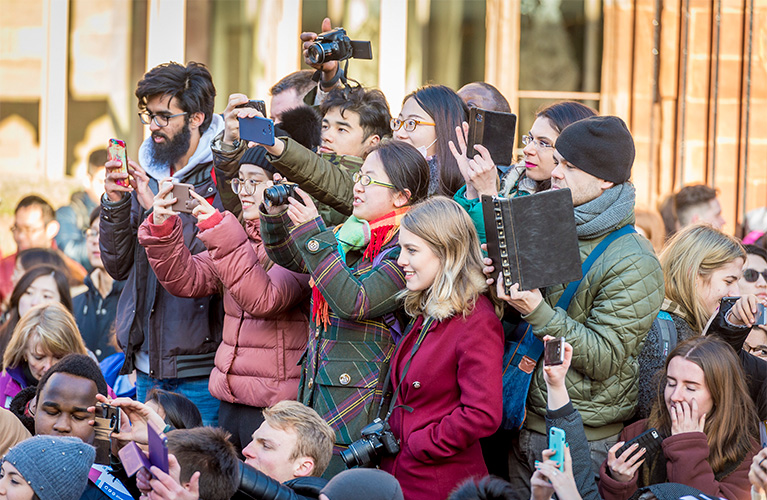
(687, 463)
(453, 386)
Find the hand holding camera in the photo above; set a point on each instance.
(302, 211)
(328, 68)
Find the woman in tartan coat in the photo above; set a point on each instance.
(355, 280)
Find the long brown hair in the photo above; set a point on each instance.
(732, 421)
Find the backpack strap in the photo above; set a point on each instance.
(667, 330)
(567, 296)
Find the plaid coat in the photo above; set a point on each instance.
(345, 364)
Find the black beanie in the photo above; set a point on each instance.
(599, 145)
(257, 156)
(370, 484)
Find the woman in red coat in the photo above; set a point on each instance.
(447, 368)
(266, 325)
(707, 419)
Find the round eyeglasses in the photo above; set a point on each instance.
(410, 124)
(160, 120)
(247, 186)
(527, 139)
(752, 275)
(366, 180)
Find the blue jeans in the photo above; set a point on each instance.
(196, 389)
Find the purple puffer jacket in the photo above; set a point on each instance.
(11, 382)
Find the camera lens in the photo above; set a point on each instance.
(359, 454)
(316, 54)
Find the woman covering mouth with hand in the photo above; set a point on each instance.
(265, 323)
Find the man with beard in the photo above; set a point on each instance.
(170, 341)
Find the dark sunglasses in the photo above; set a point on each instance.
(751, 275)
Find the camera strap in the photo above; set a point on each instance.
(425, 327)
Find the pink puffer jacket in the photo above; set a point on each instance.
(266, 326)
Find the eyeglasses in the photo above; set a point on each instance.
(247, 186)
(160, 120)
(410, 124)
(366, 180)
(760, 350)
(527, 139)
(752, 275)
(27, 230)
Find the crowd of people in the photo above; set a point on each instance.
(344, 339)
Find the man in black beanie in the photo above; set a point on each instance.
(613, 307)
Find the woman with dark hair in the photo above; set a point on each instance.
(31, 257)
(39, 285)
(427, 121)
(177, 410)
(706, 418)
(355, 280)
(531, 175)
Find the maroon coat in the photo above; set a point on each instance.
(687, 463)
(453, 386)
(266, 325)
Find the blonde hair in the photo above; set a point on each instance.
(314, 436)
(53, 326)
(696, 250)
(448, 231)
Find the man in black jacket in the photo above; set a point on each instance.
(170, 341)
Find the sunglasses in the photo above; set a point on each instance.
(751, 275)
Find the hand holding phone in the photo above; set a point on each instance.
(185, 202)
(257, 129)
(106, 421)
(259, 106)
(554, 352)
(116, 152)
(557, 443)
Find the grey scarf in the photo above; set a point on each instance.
(603, 214)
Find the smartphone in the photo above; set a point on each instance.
(116, 152)
(557, 443)
(554, 352)
(494, 130)
(760, 315)
(257, 129)
(649, 440)
(184, 201)
(107, 420)
(158, 447)
(260, 106)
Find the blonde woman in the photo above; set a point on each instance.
(447, 367)
(45, 334)
(701, 265)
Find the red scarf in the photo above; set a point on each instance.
(382, 230)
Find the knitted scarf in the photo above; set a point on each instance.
(356, 234)
(601, 215)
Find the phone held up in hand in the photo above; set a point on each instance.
(649, 440)
(557, 443)
(554, 352)
(185, 203)
(116, 152)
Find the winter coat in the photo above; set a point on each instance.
(95, 316)
(325, 177)
(686, 457)
(265, 325)
(12, 381)
(182, 334)
(608, 318)
(453, 385)
(347, 361)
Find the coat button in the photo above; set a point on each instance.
(313, 245)
(311, 383)
(344, 379)
(416, 385)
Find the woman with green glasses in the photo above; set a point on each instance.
(355, 280)
(265, 321)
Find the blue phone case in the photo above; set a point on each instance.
(257, 129)
(557, 443)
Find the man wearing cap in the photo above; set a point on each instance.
(613, 307)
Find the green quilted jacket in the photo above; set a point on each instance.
(606, 323)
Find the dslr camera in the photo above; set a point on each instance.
(279, 194)
(377, 441)
(336, 46)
